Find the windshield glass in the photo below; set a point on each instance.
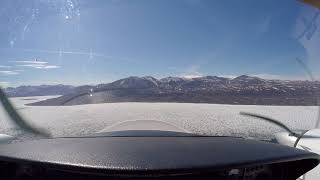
(77, 68)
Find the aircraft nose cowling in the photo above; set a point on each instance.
(148, 125)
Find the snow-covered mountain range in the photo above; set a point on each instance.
(208, 89)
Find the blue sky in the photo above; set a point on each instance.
(90, 42)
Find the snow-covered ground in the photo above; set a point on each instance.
(207, 119)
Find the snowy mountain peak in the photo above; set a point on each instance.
(247, 79)
(172, 79)
(213, 78)
(152, 79)
(136, 82)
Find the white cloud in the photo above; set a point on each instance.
(40, 66)
(5, 67)
(9, 72)
(35, 64)
(49, 67)
(30, 65)
(30, 62)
